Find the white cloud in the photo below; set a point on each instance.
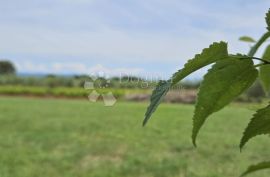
(31, 67)
(78, 1)
(118, 44)
(116, 71)
(154, 31)
(70, 67)
(112, 45)
(75, 68)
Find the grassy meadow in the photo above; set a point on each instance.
(76, 138)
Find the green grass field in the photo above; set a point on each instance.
(75, 138)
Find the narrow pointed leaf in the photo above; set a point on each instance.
(215, 52)
(157, 96)
(259, 125)
(226, 80)
(257, 167)
(247, 39)
(265, 71)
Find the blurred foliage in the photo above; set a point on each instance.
(69, 92)
(52, 81)
(7, 68)
(73, 86)
(256, 91)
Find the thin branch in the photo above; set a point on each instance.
(266, 61)
(261, 64)
(254, 49)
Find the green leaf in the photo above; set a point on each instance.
(257, 45)
(247, 39)
(158, 94)
(267, 19)
(257, 167)
(226, 80)
(265, 71)
(259, 125)
(215, 52)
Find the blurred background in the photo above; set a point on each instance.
(76, 78)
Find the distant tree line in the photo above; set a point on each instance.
(7, 68)
(8, 77)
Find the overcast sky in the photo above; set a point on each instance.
(128, 36)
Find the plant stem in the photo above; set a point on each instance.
(262, 60)
(261, 64)
(254, 49)
(265, 61)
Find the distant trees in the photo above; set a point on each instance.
(7, 68)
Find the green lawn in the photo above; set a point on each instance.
(75, 138)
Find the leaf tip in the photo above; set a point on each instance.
(246, 39)
(242, 143)
(194, 144)
(194, 136)
(144, 122)
(242, 175)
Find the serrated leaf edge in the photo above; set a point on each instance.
(244, 139)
